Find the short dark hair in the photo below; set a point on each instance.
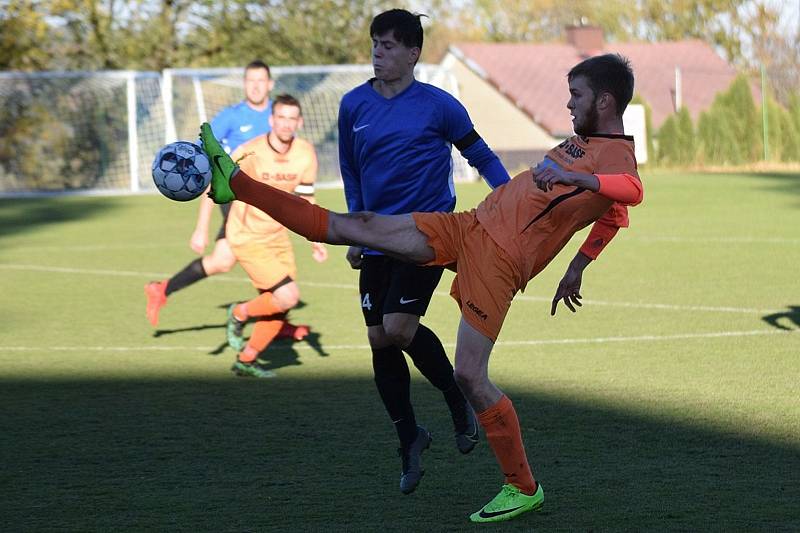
(286, 99)
(406, 26)
(609, 73)
(257, 63)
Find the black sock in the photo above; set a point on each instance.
(394, 382)
(193, 272)
(429, 357)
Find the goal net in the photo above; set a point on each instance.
(98, 131)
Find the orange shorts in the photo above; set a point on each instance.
(486, 278)
(267, 264)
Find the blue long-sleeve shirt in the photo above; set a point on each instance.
(237, 124)
(395, 153)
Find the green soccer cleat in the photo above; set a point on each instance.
(222, 167)
(234, 330)
(251, 370)
(510, 502)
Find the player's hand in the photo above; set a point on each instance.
(319, 252)
(354, 257)
(199, 241)
(546, 176)
(569, 290)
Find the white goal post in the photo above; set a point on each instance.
(97, 132)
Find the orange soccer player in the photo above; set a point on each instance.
(261, 245)
(497, 247)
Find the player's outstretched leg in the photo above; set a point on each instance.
(229, 183)
(510, 502)
(395, 235)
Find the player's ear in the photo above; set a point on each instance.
(414, 52)
(271, 121)
(270, 85)
(300, 123)
(606, 101)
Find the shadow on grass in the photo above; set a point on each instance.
(292, 454)
(784, 182)
(25, 214)
(787, 320)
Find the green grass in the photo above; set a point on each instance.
(668, 402)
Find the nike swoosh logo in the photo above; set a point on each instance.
(355, 129)
(484, 514)
(403, 301)
(217, 157)
(245, 129)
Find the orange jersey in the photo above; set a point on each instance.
(293, 172)
(533, 225)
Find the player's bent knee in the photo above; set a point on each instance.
(468, 382)
(400, 337)
(377, 337)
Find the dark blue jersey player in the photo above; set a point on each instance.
(395, 141)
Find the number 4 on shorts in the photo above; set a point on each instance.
(366, 303)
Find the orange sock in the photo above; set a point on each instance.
(264, 332)
(262, 305)
(300, 216)
(501, 426)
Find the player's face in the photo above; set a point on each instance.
(257, 86)
(391, 59)
(285, 121)
(583, 106)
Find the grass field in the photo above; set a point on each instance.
(670, 401)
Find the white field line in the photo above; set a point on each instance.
(340, 347)
(353, 287)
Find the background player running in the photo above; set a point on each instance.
(233, 126)
(498, 247)
(395, 142)
(261, 245)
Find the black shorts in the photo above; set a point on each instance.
(392, 286)
(225, 208)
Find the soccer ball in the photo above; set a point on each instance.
(181, 171)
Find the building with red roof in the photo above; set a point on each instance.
(516, 93)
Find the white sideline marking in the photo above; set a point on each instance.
(306, 347)
(346, 286)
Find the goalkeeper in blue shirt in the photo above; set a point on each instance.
(395, 142)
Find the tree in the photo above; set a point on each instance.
(676, 140)
(23, 29)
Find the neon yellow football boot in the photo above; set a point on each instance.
(510, 502)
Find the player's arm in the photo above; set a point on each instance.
(602, 232)
(459, 130)
(305, 189)
(351, 177)
(483, 159)
(199, 239)
(614, 176)
(624, 187)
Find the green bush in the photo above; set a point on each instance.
(676, 140)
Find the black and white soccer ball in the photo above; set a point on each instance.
(181, 171)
